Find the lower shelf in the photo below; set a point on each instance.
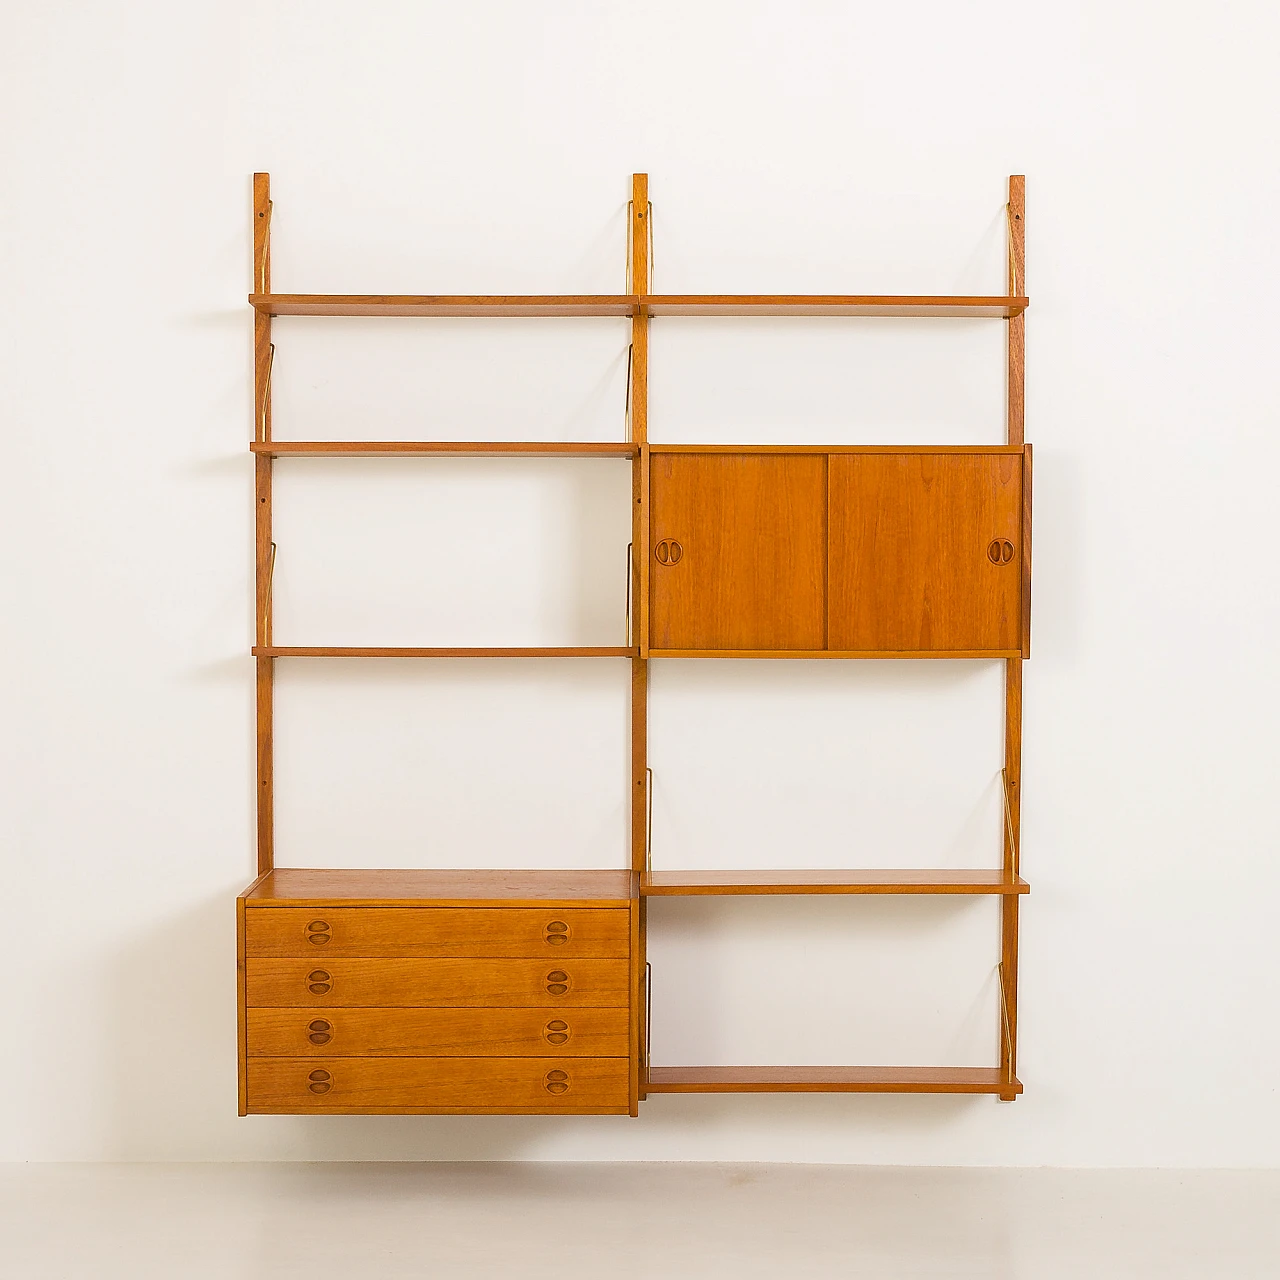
(830, 1080)
(894, 880)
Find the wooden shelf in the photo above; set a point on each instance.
(383, 304)
(440, 448)
(682, 304)
(693, 304)
(834, 653)
(830, 1080)
(299, 887)
(737, 450)
(341, 651)
(744, 883)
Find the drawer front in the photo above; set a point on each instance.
(520, 984)
(301, 1085)
(439, 1033)
(436, 931)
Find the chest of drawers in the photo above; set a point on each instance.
(482, 992)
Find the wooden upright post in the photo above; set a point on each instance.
(262, 352)
(1013, 666)
(638, 398)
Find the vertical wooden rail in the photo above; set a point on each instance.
(1013, 666)
(638, 393)
(262, 507)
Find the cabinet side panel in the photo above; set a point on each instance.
(737, 547)
(926, 551)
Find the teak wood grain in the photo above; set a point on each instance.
(1017, 230)
(441, 448)
(910, 537)
(640, 273)
(829, 1080)
(922, 306)
(438, 1033)
(926, 306)
(459, 305)
(439, 932)
(886, 881)
(472, 886)
(843, 654)
(550, 1086)
(265, 674)
(751, 536)
(357, 651)
(441, 984)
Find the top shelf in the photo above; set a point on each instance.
(655, 304)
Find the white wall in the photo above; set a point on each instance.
(488, 147)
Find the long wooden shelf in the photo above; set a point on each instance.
(887, 880)
(386, 304)
(932, 306)
(445, 448)
(830, 1080)
(927, 306)
(379, 887)
(344, 651)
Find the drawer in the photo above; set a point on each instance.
(564, 1085)
(440, 1033)
(442, 984)
(436, 931)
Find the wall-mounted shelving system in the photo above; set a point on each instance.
(477, 992)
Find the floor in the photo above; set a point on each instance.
(615, 1222)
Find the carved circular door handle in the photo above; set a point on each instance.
(556, 934)
(556, 1082)
(1000, 551)
(320, 1031)
(319, 983)
(668, 551)
(319, 1082)
(557, 982)
(318, 932)
(556, 1031)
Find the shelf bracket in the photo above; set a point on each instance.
(266, 393)
(648, 1016)
(266, 604)
(626, 407)
(1007, 1066)
(648, 825)
(1014, 853)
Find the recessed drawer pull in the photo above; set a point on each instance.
(557, 933)
(557, 1081)
(556, 1032)
(557, 982)
(318, 932)
(319, 983)
(320, 1082)
(320, 1031)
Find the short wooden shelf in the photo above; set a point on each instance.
(911, 654)
(479, 305)
(831, 1080)
(441, 448)
(891, 880)
(347, 651)
(300, 887)
(927, 306)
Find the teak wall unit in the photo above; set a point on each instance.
(525, 992)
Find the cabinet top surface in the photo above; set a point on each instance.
(293, 887)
